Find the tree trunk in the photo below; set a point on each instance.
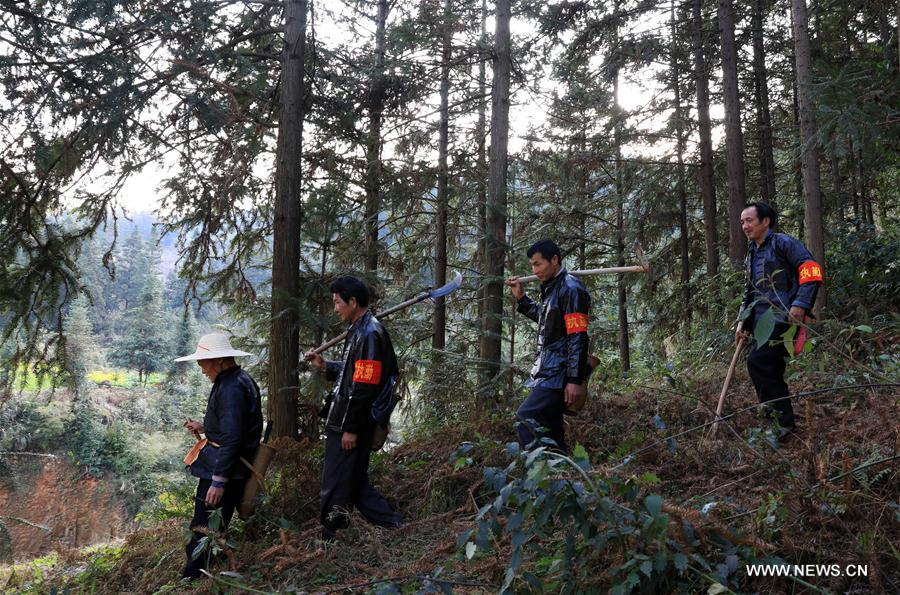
(495, 216)
(884, 31)
(838, 188)
(763, 115)
(864, 194)
(439, 324)
(681, 142)
(809, 153)
(798, 178)
(707, 179)
(284, 349)
(373, 143)
(854, 184)
(323, 297)
(481, 167)
(624, 347)
(734, 140)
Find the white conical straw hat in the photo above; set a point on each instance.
(212, 346)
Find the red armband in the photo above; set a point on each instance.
(576, 322)
(809, 272)
(367, 371)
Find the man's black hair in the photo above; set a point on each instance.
(546, 248)
(351, 287)
(764, 211)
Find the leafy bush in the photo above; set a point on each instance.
(174, 501)
(863, 263)
(564, 522)
(87, 436)
(139, 411)
(119, 451)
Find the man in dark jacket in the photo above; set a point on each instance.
(558, 377)
(366, 372)
(783, 278)
(233, 426)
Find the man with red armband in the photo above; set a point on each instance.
(561, 367)
(783, 278)
(367, 369)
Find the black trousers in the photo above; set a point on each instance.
(345, 484)
(766, 366)
(234, 489)
(541, 416)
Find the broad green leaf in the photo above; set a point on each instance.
(716, 588)
(580, 454)
(470, 550)
(539, 471)
(649, 479)
(764, 327)
(508, 579)
(659, 561)
(653, 503)
(202, 545)
(215, 520)
(864, 328)
(788, 338)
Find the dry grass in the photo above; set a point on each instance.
(817, 520)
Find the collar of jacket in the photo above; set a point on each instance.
(224, 374)
(360, 322)
(752, 245)
(550, 284)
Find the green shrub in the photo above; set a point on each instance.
(563, 523)
(87, 436)
(863, 263)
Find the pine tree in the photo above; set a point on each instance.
(81, 352)
(184, 342)
(144, 345)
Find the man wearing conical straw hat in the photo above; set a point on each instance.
(233, 425)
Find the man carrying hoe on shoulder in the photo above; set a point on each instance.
(559, 375)
(367, 366)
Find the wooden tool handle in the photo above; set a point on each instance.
(734, 359)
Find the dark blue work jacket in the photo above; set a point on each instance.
(363, 379)
(781, 274)
(234, 421)
(562, 343)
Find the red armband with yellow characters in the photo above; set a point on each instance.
(809, 272)
(576, 322)
(367, 371)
